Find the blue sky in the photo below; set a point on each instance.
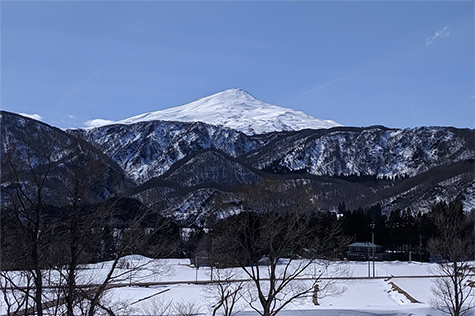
(399, 64)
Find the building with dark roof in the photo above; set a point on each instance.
(363, 251)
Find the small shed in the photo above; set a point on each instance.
(365, 250)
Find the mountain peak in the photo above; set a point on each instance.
(235, 94)
(236, 109)
(222, 100)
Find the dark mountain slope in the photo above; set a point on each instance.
(148, 149)
(187, 190)
(28, 145)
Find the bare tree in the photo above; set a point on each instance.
(23, 186)
(77, 227)
(16, 297)
(454, 249)
(187, 308)
(121, 269)
(267, 238)
(225, 292)
(156, 306)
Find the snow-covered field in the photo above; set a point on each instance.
(361, 296)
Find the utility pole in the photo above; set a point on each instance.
(420, 248)
(372, 247)
(369, 264)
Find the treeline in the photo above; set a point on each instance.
(401, 231)
(93, 233)
(101, 231)
(246, 235)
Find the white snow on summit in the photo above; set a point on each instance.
(238, 110)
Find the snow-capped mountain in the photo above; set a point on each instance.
(238, 110)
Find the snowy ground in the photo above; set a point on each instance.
(360, 297)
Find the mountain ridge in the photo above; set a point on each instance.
(182, 169)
